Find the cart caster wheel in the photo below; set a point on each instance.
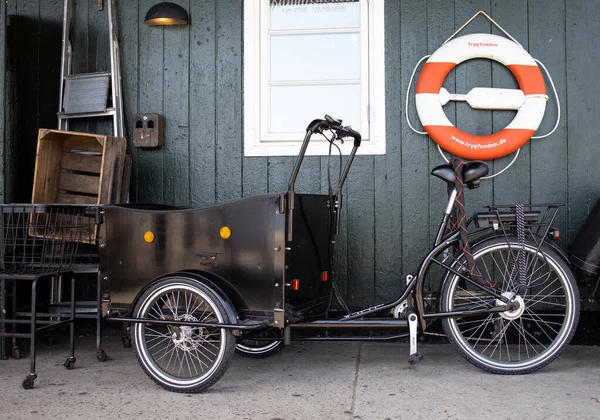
(101, 355)
(69, 363)
(126, 342)
(16, 353)
(28, 381)
(415, 358)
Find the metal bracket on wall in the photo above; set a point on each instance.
(148, 130)
(481, 12)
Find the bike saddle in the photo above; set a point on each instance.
(472, 173)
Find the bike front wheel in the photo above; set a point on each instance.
(182, 358)
(521, 340)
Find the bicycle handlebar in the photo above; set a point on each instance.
(330, 123)
(317, 126)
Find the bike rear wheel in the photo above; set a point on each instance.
(521, 340)
(256, 347)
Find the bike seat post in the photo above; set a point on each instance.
(451, 200)
(447, 212)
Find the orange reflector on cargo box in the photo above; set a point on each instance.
(225, 232)
(295, 284)
(149, 236)
(325, 276)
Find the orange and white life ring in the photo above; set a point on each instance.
(469, 146)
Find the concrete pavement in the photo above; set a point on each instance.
(306, 381)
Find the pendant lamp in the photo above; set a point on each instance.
(166, 14)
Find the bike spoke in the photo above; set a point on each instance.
(198, 303)
(456, 306)
(198, 355)
(525, 332)
(159, 313)
(546, 288)
(168, 352)
(507, 349)
(521, 330)
(546, 295)
(209, 351)
(547, 322)
(561, 305)
(476, 327)
(537, 320)
(482, 326)
(505, 273)
(497, 336)
(165, 339)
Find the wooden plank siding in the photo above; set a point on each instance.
(8, 174)
(3, 308)
(3, 109)
(583, 108)
(193, 75)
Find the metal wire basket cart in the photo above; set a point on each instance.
(38, 243)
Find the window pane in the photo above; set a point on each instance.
(293, 57)
(294, 107)
(316, 16)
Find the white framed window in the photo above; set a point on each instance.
(307, 58)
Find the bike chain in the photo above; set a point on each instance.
(435, 334)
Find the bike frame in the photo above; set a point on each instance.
(415, 285)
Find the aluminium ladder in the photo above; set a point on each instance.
(85, 95)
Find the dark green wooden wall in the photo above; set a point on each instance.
(2, 125)
(193, 76)
(2, 96)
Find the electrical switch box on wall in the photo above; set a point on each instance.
(148, 130)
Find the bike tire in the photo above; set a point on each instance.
(182, 359)
(258, 349)
(519, 341)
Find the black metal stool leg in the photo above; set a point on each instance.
(15, 351)
(42, 242)
(70, 362)
(29, 379)
(100, 353)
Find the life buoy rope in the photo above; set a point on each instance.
(469, 146)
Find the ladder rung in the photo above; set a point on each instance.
(69, 115)
(99, 74)
(86, 93)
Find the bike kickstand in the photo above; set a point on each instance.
(415, 357)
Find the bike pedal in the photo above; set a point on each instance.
(415, 358)
(412, 330)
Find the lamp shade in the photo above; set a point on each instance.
(166, 14)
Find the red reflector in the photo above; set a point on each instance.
(554, 234)
(295, 284)
(325, 276)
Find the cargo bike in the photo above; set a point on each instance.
(198, 284)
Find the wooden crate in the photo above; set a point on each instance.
(78, 168)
